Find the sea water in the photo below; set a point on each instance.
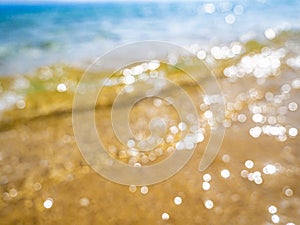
(41, 34)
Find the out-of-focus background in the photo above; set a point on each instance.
(253, 49)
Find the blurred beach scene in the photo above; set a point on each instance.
(245, 89)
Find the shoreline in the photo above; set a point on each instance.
(28, 92)
(83, 61)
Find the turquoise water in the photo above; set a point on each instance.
(34, 35)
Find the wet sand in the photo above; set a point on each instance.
(44, 162)
(40, 161)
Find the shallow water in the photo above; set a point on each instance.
(254, 178)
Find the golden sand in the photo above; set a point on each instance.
(45, 180)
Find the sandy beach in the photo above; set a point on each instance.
(40, 160)
(45, 178)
